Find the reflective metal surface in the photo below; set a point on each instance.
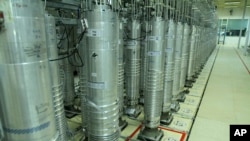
(132, 68)
(102, 98)
(184, 56)
(155, 66)
(177, 64)
(56, 81)
(26, 106)
(191, 54)
(83, 82)
(169, 66)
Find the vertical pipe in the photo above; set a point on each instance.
(185, 52)
(120, 81)
(197, 50)
(143, 69)
(56, 80)
(132, 68)
(102, 99)
(84, 86)
(177, 65)
(191, 54)
(154, 82)
(155, 67)
(25, 84)
(169, 67)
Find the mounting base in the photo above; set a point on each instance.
(181, 97)
(141, 100)
(150, 134)
(189, 83)
(133, 111)
(175, 106)
(166, 118)
(122, 124)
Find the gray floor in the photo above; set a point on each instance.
(226, 99)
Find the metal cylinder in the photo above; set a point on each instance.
(197, 51)
(26, 96)
(191, 54)
(143, 67)
(102, 99)
(184, 56)
(155, 66)
(143, 53)
(132, 67)
(56, 80)
(120, 83)
(68, 82)
(177, 64)
(169, 65)
(83, 83)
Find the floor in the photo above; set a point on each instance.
(218, 98)
(226, 99)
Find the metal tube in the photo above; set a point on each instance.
(83, 82)
(197, 50)
(143, 70)
(120, 81)
(102, 99)
(155, 67)
(56, 80)
(169, 66)
(26, 96)
(132, 68)
(191, 54)
(185, 53)
(154, 81)
(177, 65)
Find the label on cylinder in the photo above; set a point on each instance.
(170, 36)
(131, 44)
(154, 53)
(169, 50)
(154, 38)
(93, 33)
(96, 85)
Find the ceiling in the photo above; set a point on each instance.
(230, 3)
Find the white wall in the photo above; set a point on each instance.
(237, 14)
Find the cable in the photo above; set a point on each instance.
(137, 39)
(75, 50)
(60, 40)
(63, 57)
